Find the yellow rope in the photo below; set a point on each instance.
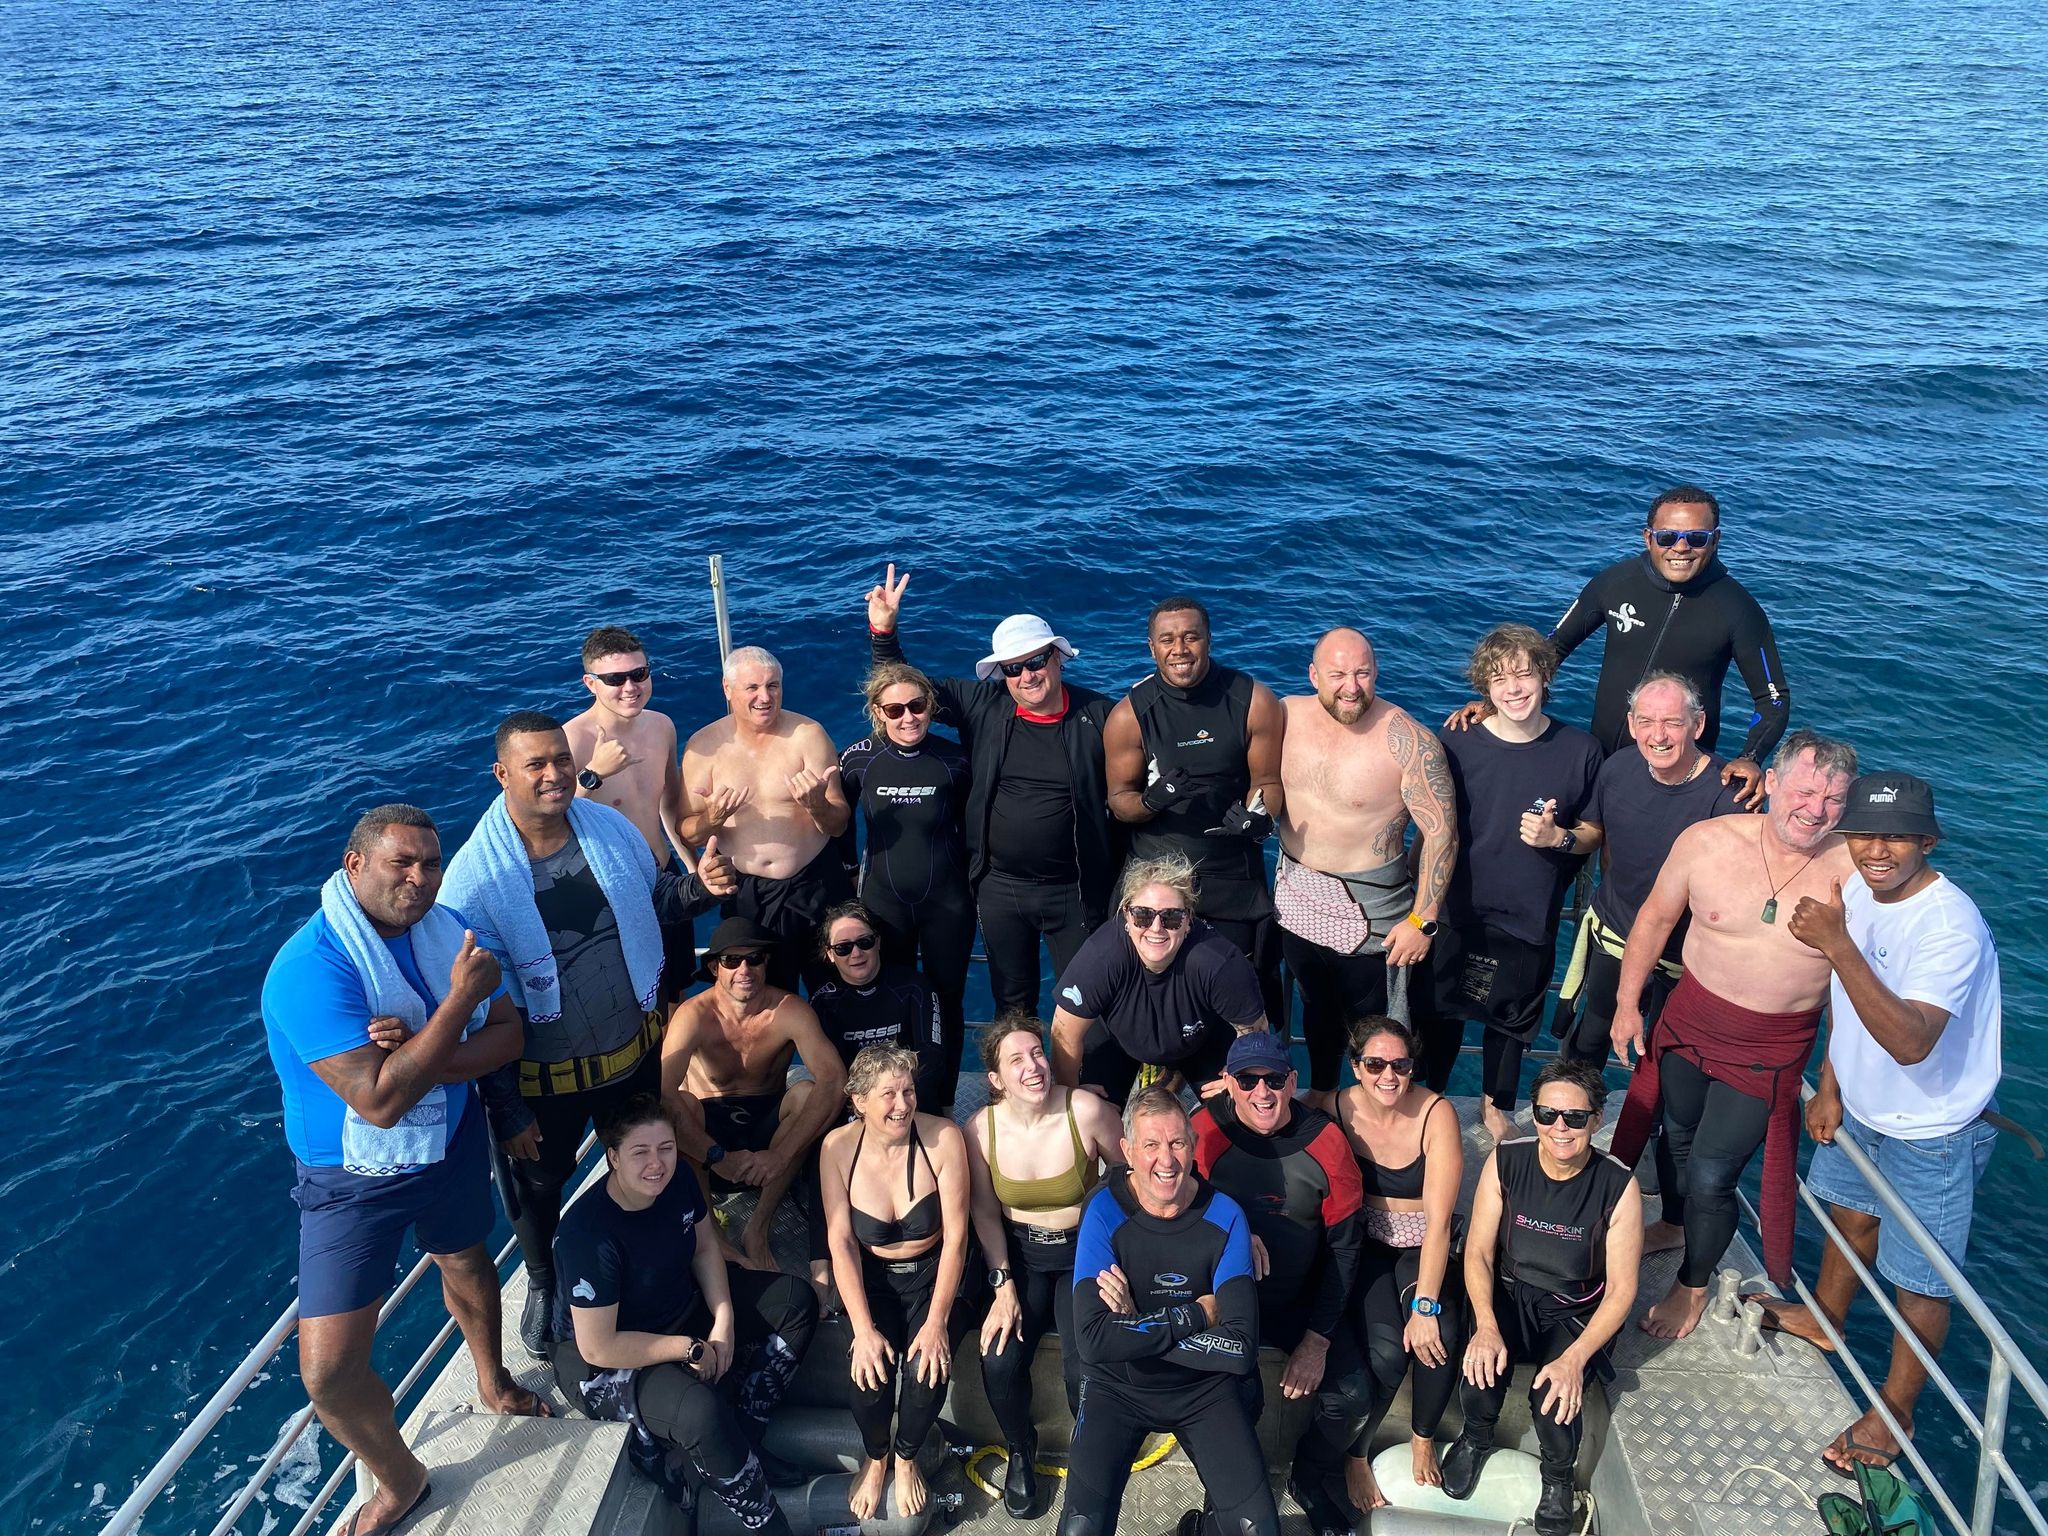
(1151, 1458)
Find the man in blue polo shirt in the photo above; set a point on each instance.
(379, 1012)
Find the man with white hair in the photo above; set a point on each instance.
(765, 782)
(1042, 849)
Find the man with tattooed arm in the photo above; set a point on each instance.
(1356, 909)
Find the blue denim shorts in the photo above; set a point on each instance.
(1936, 1178)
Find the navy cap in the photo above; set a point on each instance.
(1259, 1051)
(1890, 805)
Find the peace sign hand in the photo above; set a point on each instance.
(885, 601)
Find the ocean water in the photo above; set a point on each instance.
(354, 360)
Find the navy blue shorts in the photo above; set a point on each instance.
(351, 1227)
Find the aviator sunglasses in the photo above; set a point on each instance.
(1169, 918)
(1550, 1114)
(846, 947)
(916, 706)
(1028, 664)
(1277, 1081)
(620, 679)
(1373, 1066)
(1692, 538)
(733, 959)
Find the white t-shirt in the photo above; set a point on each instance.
(1930, 948)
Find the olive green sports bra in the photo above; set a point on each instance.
(1053, 1193)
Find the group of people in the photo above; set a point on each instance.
(1151, 1180)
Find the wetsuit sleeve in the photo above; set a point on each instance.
(1756, 655)
(952, 691)
(1343, 1228)
(1211, 1142)
(1586, 614)
(1232, 1345)
(1108, 1336)
(679, 896)
(504, 1106)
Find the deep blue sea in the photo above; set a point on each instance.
(355, 359)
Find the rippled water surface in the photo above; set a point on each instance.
(355, 359)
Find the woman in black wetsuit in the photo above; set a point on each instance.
(911, 787)
(896, 1213)
(1550, 1274)
(1411, 1160)
(652, 1329)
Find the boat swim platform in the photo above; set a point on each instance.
(1673, 1446)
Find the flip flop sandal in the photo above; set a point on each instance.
(353, 1526)
(1871, 1457)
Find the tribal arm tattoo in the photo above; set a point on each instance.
(1432, 802)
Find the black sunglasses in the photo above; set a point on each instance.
(1692, 538)
(1036, 663)
(846, 947)
(620, 679)
(733, 959)
(1550, 1114)
(1250, 1080)
(916, 706)
(1373, 1066)
(1169, 918)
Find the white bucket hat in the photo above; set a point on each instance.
(1021, 634)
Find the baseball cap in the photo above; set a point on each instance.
(1259, 1051)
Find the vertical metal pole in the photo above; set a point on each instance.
(718, 607)
(1997, 1397)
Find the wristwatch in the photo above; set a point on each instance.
(998, 1278)
(1428, 926)
(1426, 1306)
(713, 1155)
(589, 780)
(1571, 840)
(694, 1353)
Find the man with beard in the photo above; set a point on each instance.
(1356, 771)
(1727, 1052)
(1193, 757)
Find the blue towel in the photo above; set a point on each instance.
(491, 880)
(421, 1137)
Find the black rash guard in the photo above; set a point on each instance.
(1694, 629)
(1205, 732)
(1031, 819)
(896, 1008)
(912, 802)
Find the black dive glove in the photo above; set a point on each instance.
(1166, 791)
(1242, 821)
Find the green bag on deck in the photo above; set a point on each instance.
(1884, 1506)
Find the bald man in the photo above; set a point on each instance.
(1356, 772)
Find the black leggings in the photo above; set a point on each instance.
(1386, 1284)
(1589, 1036)
(1343, 1402)
(1335, 990)
(936, 936)
(1533, 1343)
(532, 1188)
(1711, 1131)
(899, 1298)
(1043, 1272)
(716, 1427)
(1212, 1418)
(1015, 914)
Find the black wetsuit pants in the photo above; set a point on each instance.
(532, 1187)
(1386, 1284)
(715, 1428)
(1529, 1343)
(1043, 1272)
(1335, 990)
(1711, 1131)
(1015, 915)
(1343, 1401)
(899, 1298)
(936, 936)
(1211, 1415)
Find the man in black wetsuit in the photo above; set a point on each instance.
(868, 1003)
(1193, 757)
(1167, 1312)
(1290, 1168)
(1042, 848)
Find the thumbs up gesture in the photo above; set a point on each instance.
(1821, 925)
(1539, 826)
(716, 871)
(475, 972)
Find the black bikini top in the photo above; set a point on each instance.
(1403, 1183)
(923, 1220)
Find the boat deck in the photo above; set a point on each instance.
(1698, 1437)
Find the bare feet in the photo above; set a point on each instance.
(910, 1490)
(507, 1396)
(1360, 1486)
(756, 1251)
(866, 1497)
(1660, 1236)
(1868, 1441)
(1781, 1316)
(1427, 1473)
(1678, 1313)
(1498, 1125)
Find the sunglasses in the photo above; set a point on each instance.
(1373, 1066)
(733, 959)
(1169, 918)
(1036, 663)
(1691, 538)
(620, 679)
(1550, 1114)
(845, 947)
(915, 706)
(1277, 1081)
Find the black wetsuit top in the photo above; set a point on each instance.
(1499, 880)
(639, 1261)
(1553, 1233)
(912, 802)
(1031, 816)
(1207, 989)
(1169, 1265)
(1694, 629)
(896, 1008)
(1205, 731)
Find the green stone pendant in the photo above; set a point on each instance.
(1771, 910)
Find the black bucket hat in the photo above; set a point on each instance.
(1890, 805)
(734, 933)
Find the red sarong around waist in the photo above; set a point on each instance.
(1760, 1054)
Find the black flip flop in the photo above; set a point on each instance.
(388, 1530)
(1851, 1444)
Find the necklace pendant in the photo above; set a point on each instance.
(1771, 910)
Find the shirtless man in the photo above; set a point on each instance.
(724, 1072)
(1355, 771)
(766, 781)
(1727, 1052)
